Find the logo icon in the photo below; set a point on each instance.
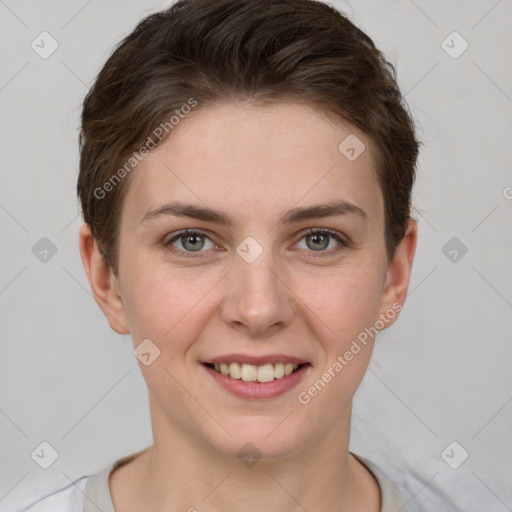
(249, 455)
(454, 455)
(249, 249)
(44, 250)
(44, 45)
(352, 147)
(44, 455)
(146, 352)
(454, 45)
(454, 249)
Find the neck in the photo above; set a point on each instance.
(180, 472)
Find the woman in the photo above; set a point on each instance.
(245, 179)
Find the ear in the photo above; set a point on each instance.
(104, 284)
(399, 272)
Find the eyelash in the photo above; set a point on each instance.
(343, 242)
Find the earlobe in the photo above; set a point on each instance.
(399, 272)
(103, 282)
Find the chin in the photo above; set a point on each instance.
(263, 438)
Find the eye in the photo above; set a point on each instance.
(190, 241)
(318, 240)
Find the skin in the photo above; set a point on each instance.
(297, 298)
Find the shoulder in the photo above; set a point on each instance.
(72, 498)
(390, 497)
(66, 499)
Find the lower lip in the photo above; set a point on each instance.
(243, 389)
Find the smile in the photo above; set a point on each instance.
(253, 373)
(257, 381)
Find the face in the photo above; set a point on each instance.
(260, 288)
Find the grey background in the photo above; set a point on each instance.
(442, 373)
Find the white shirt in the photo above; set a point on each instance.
(90, 493)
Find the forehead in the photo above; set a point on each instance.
(256, 161)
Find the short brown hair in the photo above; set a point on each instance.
(260, 51)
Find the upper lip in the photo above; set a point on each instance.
(255, 360)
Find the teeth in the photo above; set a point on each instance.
(252, 373)
(265, 373)
(235, 370)
(279, 371)
(288, 368)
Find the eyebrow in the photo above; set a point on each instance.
(333, 208)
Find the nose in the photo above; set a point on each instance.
(257, 298)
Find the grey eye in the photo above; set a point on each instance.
(320, 241)
(191, 242)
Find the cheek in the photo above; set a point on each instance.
(345, 301)
(168, 304)
(162, 303)
(347, 306)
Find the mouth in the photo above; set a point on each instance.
(263, 373)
